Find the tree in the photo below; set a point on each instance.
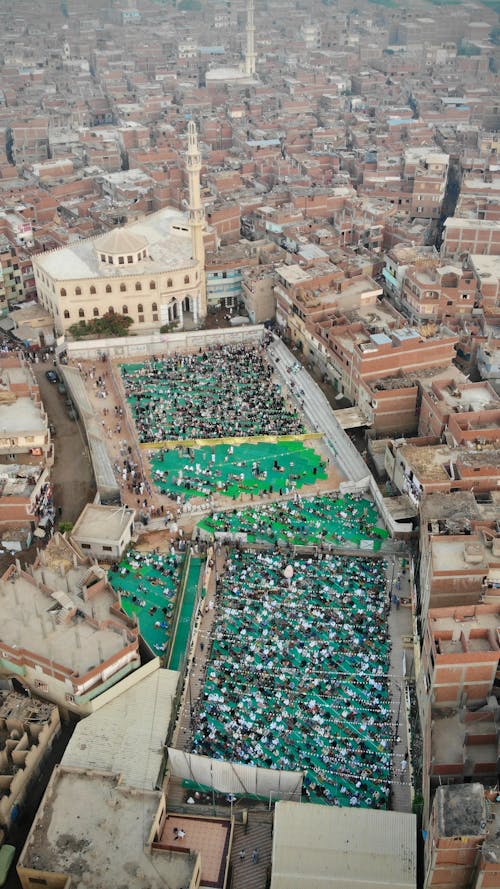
(111, 324)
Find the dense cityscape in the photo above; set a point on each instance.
(250, 444)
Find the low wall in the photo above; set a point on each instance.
(160, 343)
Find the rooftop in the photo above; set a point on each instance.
(461, 810)
(102, 842)
(127, 735)
(102, 522)
(22, 415)
(38, 616)
(315, 846)
(166, 233)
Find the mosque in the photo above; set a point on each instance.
(152, 270)
(245, 74)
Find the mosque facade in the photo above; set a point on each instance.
(152, 271)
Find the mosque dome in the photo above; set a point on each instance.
(121, 247)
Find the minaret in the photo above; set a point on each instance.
(196, 214)
(250, 53)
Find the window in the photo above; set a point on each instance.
(138, 285)
(81, 313)
(103, 257)
(121, 260)
(123, 288)
(154, 307)
(110, 260)
(124, 310)
(41, 686)
(169, 282)
(155, 316)
(108, 288)
(152, 285)
(95, 312)
(66, 313)
(38, 881)
(107, 549)
(78, 291)
(85, 545)
(130, 258)
(186, 279)
(63, 291)
(111, 310)
(140, 307)
(141, 318)
(92, 290)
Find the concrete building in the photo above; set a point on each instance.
(103, 532)
(461, 843)
(469, 235)
(63, 634)
(322, 847)
(26, 449)
(460, 654)
(113, 831)
(27, 730)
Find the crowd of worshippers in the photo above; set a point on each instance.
(296, 677)
(217, 392)
(236, 469)
(147, 583)
(329, 518)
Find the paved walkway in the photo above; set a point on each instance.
(318, 412)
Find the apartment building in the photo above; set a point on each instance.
(63, 634)
(26, 449)
(469, 235)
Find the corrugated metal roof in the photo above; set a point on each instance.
(127, 735)
(316, 847)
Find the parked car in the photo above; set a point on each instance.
(62, 388)
(73, 413)
(52, 430)
(52, 376)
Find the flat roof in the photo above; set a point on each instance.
(102, 841)
(30, 621)
(128, 734)
(448, 554)
(102, 522)
(461, 810)
(21, 416)
(166, 233)
(320, 846)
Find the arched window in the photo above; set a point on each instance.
(66, 313)
(108, 288)
(78, 291)
(140, 308)
(169, 282)
(92, 289)
(111, 310)
(81, 313)
(186, 279)
(154, 307)
(95, 312)
(123, 288)
(152, 285)
(124, 310)
(63, 291)
(138, 285)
